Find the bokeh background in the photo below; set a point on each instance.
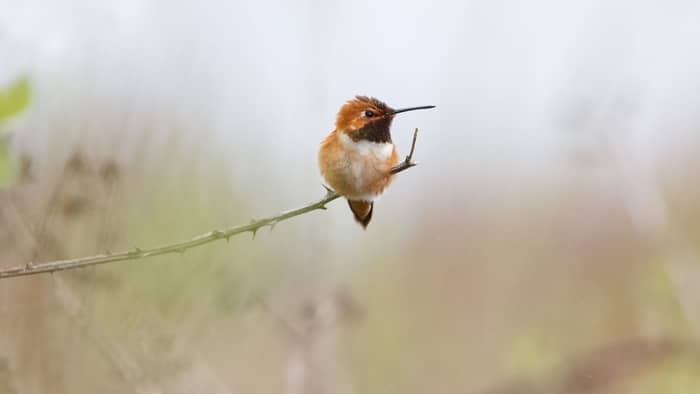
(546, 243)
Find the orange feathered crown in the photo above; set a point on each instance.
(360, 111)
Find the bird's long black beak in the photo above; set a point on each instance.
(398, 111)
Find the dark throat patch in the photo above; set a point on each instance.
(375, 131)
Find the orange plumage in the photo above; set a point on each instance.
(357, 157)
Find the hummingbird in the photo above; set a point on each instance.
(356, 159)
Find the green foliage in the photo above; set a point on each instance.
(676, 376)
(532, 355)
(658, 297)
(6, 167)
(13, 100)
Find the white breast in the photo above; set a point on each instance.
(379, 150)
(366, 162)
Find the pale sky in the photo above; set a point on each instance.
(518, 85)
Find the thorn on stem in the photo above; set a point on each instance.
(136, 252)
(329, 192)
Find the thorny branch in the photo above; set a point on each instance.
(32, 268)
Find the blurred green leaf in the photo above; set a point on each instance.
(531, 355)
(6, 167)
(14, 98)
(658, 298)
(678, 376)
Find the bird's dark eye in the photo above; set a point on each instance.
(369, 113)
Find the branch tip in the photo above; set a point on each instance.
(408, 161)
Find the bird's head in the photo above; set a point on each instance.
(366, 118)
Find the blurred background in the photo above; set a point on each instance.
(546, 243)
